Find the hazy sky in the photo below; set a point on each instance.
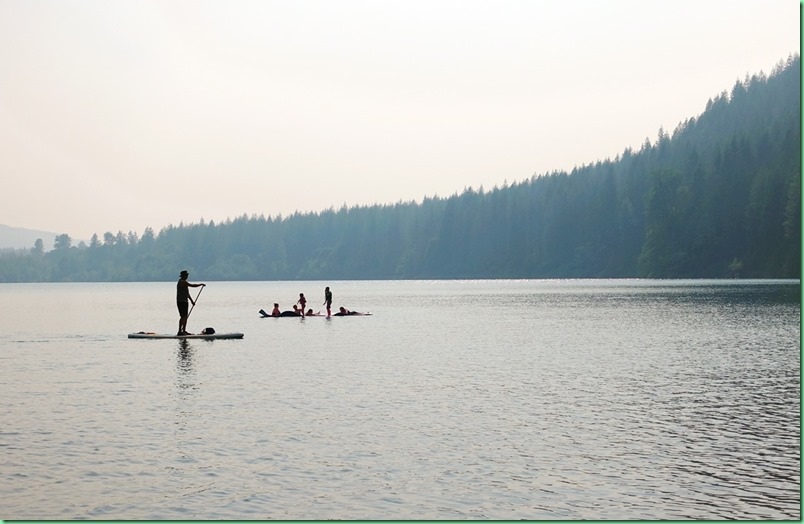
(118, 115)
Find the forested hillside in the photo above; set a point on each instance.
(720, 196)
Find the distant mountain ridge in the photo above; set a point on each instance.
(22, 238)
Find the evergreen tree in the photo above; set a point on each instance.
(721, 197)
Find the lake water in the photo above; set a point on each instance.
(527, 399)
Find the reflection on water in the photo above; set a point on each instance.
(455, 400)
(185, 372)
(186, 383)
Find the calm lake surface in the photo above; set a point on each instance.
(527, 399)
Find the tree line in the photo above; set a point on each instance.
(718, 197)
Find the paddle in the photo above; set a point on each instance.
(196, 300)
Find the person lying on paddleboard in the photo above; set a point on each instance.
(343, 312)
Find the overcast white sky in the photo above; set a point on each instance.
(118, 115)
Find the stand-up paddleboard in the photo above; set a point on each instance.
(212, 336)
(263, 314)
(287, 314)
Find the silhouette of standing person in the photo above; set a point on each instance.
(328, 300)
(182, 296)
(302, 302)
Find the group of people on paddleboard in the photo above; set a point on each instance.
(183, 301)
(300, 305)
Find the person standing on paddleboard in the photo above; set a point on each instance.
(302, 301)
(328, 300)
(182, 296)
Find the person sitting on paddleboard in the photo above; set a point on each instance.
(295, 313)
(276, 312)
(182, 296)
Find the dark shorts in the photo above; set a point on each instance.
(183, 308)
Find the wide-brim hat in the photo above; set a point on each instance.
(184, 274)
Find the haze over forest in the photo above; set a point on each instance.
(717, 197)
(135, 113)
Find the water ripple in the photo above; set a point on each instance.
(594, 400)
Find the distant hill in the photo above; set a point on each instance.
(719, 197)
(21, 238)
